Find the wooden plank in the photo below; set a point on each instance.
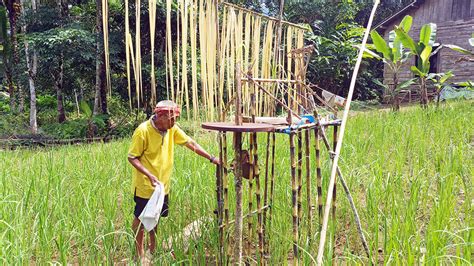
(455, 13)
(472, 9)
(448, 7)
(466, 9)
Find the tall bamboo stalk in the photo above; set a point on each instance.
(265, 190)
(250, 195)
(294, 195)
(152, 20)
(318, 174)
(256, 172)
(308, 185)
(300, 179)
(345, 115)
(225, 178)
(220, 201)
(272, 187)
(238, 172)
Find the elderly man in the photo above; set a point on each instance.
(151, 154)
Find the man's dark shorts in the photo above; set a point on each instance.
(140, 204)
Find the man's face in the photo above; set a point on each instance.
(165, 120)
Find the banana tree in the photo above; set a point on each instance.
(424, 51)
(393, 54)
(439, 80)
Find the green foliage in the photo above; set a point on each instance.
(415, 192)
(46, 101)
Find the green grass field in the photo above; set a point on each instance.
(410, 173)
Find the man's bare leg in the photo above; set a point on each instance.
(152, 245)
(138, 236)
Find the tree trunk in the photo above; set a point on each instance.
(423, 93)
(58, 84)
(395, 98)
(13, 8)
(31, 64)
(100, 100)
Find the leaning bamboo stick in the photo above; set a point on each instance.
(294, 194)
(349, 198)
(334, 192)
(322, 241)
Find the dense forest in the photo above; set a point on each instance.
(53, 60)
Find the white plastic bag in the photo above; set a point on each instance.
(152, 211)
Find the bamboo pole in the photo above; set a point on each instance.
(308, 185)
(256, 173)
(238, 171)
(225, 177)
(220, 202)
(294, 194)
(318, 175)
(127, 53)
(300, 180)
(349, 198)
(169, 50)
(322, 241)
(265, 191)
(252, 168)
(250, 196)
(334, 193)
(238, 198)
(272, 187)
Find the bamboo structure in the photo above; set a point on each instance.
(245, 69)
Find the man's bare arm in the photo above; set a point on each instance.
(192, 145)
(139, 166)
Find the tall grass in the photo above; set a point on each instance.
(410, 174)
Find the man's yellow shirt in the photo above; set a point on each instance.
(155, 150)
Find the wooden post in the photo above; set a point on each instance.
(238, 169)
(256, 173)
(220, 202)
(225, 178)
(294, 189)
(272, 187)
(308, 186)
(238, 198)
(300, 179)
(318, 175)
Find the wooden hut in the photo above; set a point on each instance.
(455, 25)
